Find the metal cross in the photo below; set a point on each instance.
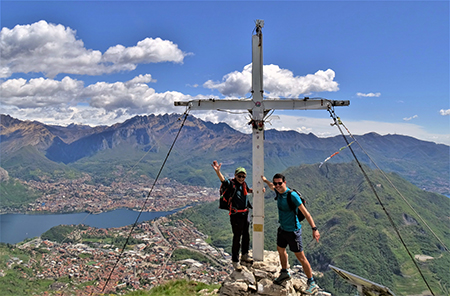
(258, 108)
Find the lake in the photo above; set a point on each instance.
(17, 227)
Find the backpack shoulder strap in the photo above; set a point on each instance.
(245, 188)
(289, 200)
(301, 197)
(276, 195)
(233, 187)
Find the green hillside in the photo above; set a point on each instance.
(127, 163)
(356, 233)
(28, 163)
(15, 194)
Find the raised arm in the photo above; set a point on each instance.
(270, 184)
(216, 166)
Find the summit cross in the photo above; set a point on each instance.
(258, 107)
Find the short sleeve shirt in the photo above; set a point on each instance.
(287, 217)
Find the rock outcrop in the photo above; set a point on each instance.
(257, 279)
(4, 176)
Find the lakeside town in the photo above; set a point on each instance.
(86, 263)
(82, 195)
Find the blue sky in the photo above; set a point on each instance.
(102, 62)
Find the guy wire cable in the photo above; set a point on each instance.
(148, 195)
(390, 182)
(130, 170)
(333, 115)
(149, 149)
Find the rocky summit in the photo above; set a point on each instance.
(257, 279)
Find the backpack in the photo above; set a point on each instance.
(226, 195)
(299, 213)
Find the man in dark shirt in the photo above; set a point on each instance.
(239, 217)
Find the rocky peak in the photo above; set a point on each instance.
(16, 134)
(257, 279)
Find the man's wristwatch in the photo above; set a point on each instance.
(314, 228)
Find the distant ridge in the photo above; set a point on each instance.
(98, 150)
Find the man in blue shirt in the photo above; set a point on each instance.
(239, 217)
(290, 231)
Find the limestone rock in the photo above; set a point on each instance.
(231, 288)
(257, 279)
(244, 275)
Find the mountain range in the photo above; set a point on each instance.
(33, 150)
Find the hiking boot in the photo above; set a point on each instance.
(284, 276)
(237, 266)
(246, 258)
(312, 288)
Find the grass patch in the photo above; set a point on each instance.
(182, 254)
(175, 288)
(84, 255)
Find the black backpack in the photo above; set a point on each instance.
(226, 196)
(291, 204)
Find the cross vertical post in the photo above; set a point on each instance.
(258, 108)
(258, 143)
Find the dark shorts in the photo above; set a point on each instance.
(293, 239)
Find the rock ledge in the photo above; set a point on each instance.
(257, 279)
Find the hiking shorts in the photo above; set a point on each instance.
(291, 238)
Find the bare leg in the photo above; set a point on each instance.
(284, 274)
(305, 263)
(283, 257)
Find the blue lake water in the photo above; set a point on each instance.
(15, 228)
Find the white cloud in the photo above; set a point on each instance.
(102, 103)
(131, 97)
(147, 78)
(80, 114)
(233, 84)
(53, 49)
(146, 51)
(370, 95)
(40, 92)
(68, 101)
(135, 98)
(409, 118)
(277, 82)
(444, 112)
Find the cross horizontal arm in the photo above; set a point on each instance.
(302, 104)
(213, 104)
(291, 104)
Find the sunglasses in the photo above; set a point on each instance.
(240, 176)
(277, 183)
